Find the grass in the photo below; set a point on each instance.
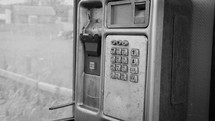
(19, 102)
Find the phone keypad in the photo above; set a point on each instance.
(121, 68)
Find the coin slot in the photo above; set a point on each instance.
(140, 10)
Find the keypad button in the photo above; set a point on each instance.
(134, 61)
(134, 70)
(135, 52)
(125, 51)
(114, 42)
(119, 51)
(113, 59)
(125, 60)
(118, 67)
(134, 78)
(113, 67)
(125, 43)
(120, 42)
(124, 76)
(113, 75)
(118, 59)
(118, 75)
(113, 51)
(124, 68)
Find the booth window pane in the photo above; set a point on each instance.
(36, 59)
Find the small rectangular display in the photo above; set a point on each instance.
(121, 14)
(128, 14)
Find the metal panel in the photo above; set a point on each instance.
(91, 90)
(125, 99)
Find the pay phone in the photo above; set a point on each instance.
(132, 59)
(129, 54)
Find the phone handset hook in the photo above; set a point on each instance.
(89, 20)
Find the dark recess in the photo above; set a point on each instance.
(212, 90)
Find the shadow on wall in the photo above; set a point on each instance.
(201, 51)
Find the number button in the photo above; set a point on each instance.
(118, 67)
(113, 59)
(125, 43)
(119, 51)
(134, 70)
(124, 69)
(118, 59)
(134, 78)
(124, 77)
(114, 42)
(135, 52)
(113, 75)
(125, 51)
(120, 42)
(125, 60)
(113, 67)
(118, 76)
(113, 51)
(134, 61)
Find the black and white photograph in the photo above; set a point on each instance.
(107, 60)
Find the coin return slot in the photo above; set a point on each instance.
(140, 10)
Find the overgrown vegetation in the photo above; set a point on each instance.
(19, 102)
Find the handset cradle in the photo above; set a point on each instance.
(92, 44)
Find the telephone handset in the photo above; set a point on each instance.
(92, 43)
(90, 38)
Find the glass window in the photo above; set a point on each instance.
(36, 59)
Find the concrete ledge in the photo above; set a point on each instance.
(35, 83)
